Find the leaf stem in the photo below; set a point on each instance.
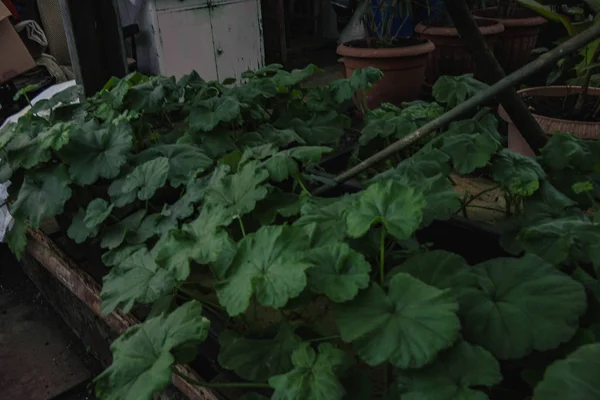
(475, 197)
(382, 257)
(242, 226)
(304, 187)
(217, 385)
(324, 339)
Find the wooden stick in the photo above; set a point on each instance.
(511, 80)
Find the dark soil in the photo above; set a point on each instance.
(562, 107)
(376, 44)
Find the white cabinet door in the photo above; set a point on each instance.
(237, 34)
(185, 43)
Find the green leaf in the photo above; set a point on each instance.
(118, 255)
(397, 206)
(470, 151)
(95, 151)
(258, 359)
(337, 272)
(281, 166)
(562, 239)
(55, 137)
(482, 122)
(97, 211)
(239, 192)
(314, 376)
(422, 112)
(147, 178)
(16, 238)
(574, 378)
(452, 375)
(269, 265)
(114, 235)
(184, 207)
(202, 240)
(549, 14)
(519, 174)
(407, 327)
(138, 279)
(78, 230)
(566, 151)
(396, 127)
(144, 354)
(523, 305)
(284, 78)
(325, 218)
(184, 161)
(43, 194)
(205, 115)
(441, 269)
(323, 128)
(453, 90)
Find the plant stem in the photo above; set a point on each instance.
(578, 110)
(382, 257)
(475, 197)
(242, 226)
(218, 385)
(304, 187)
(324, 339)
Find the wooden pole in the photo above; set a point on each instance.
(493, 72)
(568, 47)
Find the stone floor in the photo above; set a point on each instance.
(40, 358)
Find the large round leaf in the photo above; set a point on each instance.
(575, 378)
(258, 359)
(452, 375)
(523, 305)
(268, 264)
(407, 327)
(398, 207)
(519, 174)
(338, 272)
(441, 269)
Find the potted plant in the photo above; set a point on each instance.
(521, 29)
(401, 59)
(572, 108)
(452, 55)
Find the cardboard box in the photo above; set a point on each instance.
(14, 57)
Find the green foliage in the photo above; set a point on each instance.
(572, 378)
(453, 90)
(204, 191)
(407, 327)
(314, 376)
(144, 354)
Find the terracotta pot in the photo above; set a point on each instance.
(452, 55)
(403, 70)
(583, 129)
(519, 36)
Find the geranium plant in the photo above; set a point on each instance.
(196, 191)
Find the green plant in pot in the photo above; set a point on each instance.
(401, 59)
(573, 108)
(452, 55)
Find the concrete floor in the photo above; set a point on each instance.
(40, 358)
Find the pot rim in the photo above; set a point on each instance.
(396, 52)
(552, 91)
(490, 27)
(534, 20)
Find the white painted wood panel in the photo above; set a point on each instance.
(186, 43)
(237, 37)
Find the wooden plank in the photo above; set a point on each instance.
(87, 290)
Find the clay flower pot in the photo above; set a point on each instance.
(519, 36)
(403, 70)
(583, 129)
(452, 55)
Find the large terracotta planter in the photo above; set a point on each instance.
(403, 71)
(518, 39)
(583, 129)
(452, 55)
